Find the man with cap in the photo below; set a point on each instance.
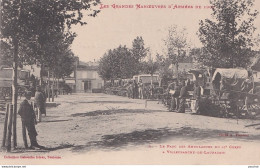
(28, 119)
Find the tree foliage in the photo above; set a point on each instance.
(227, 37)
(6, 53)
(176, 44)
(138, 49)
(34, 23)
(164, 66)
(117, 63)
(123, 62)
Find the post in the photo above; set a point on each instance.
(9, 131)
(5, 125)
(24, 135)
(39, 115)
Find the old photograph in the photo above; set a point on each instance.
(130, 82)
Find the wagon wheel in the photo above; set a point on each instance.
(254, 110)
(224, 111)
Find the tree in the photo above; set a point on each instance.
(117, 63)
(139, 52)
(138, 49)
(165, 73)
(5, 53)
(176, 45)
(227, 38)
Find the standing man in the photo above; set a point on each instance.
(196, 96)
(176, 95)
(28, 119)
(171, 92)
(140, 89)
(39, 100)
(183, 94)
(135, 90)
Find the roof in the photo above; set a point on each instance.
(87, 66)
(231, 73)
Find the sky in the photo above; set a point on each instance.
(120, 26)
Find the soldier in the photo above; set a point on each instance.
(196, 96)
(140, 89)
(135, 90)
(183, 94)
(28, 119)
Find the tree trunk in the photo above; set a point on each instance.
(41, 78)
(9, 130)
(52, 88)
(14, 90)
(177, 64)
(58, 86)
(48, 86)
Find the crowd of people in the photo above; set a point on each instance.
(178, 92)
(139, 90)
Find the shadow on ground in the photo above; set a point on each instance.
(57, 120)
(113, 111)
(120, 141)
(37, 150)
(104, 102)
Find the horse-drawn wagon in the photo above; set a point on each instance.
(236, 92)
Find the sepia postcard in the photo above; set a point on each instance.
(143, 82)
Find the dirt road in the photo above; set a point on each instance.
(106, 129)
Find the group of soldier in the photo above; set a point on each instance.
(138, 90)
(178, 93)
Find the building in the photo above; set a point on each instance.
(85, 78)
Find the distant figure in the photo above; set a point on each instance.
(135, 90)
(40, 100)
(176, 95)
(28, 119)
(140, 89)
(183, 94)
(171, 92)
(196, 96)
(130, 89)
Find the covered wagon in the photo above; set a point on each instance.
(235, 90)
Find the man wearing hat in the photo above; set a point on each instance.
(28, 119)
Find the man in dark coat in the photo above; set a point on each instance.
(39, 100)
(176, 95)
(29, 120)
(196, 96)
(183, 94)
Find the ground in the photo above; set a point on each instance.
(106, 129)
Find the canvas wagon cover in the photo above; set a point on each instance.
(231, 73)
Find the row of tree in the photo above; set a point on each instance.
(227, 38)
(38, 32)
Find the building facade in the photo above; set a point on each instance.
(85, 78)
